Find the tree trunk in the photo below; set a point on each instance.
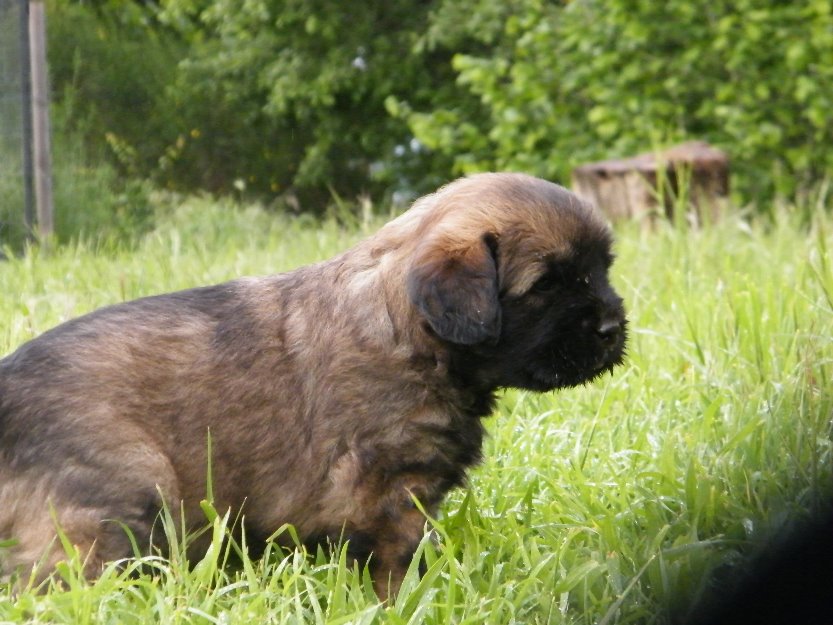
(691, 178)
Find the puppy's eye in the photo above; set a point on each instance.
(546, 283)
(555, 280)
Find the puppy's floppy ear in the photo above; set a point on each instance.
(456, 289)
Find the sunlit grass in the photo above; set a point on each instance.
(611, 503)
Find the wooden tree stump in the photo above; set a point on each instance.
(693, 176)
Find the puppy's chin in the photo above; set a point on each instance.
(543, 379)
(556, 364)
(534, 371)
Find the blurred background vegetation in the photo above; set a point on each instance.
(298, 104)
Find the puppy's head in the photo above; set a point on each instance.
(511, 272)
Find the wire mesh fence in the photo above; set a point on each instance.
(16, 191)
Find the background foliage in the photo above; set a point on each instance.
(307, 100)
(562, 83)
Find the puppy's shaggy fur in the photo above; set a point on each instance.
(332, 393)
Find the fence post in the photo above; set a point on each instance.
(26, 117)
(40, 120)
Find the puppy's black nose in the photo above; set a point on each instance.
(609, 330)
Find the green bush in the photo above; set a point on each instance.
(563, 83)
(290, 96)
(315, 100)
(111, 66)
(264, 99)
(92, 200)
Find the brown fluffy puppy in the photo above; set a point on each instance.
(332, 393)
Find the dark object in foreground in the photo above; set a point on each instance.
(789, 584)
(333, 394)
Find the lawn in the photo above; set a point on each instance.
(625, 501)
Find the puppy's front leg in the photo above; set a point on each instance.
(385, 536)
(396, 540)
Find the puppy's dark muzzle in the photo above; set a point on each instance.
(611, 334)
(610, 331)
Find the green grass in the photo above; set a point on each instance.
(611, 503)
